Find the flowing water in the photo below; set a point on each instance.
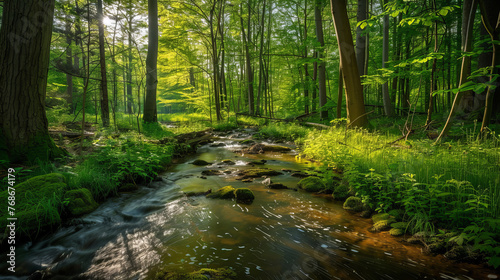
(283, 234)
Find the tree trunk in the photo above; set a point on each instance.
(491, 26)
(129, 66)
(150, 114)
(433, 72)
(24, 54)
(246, 38)
(340, 92)
(361, 37)
(102, 61)
(388, 109)
(354, 91)
(465, 69)
(322, 65)
(466, 102)
(69, 64)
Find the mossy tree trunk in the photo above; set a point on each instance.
(24, 56)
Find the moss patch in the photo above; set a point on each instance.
(353, 204)
(80, 201)
(311, 184)
(382, 225)
(226, 192)
(244, 195)
(379, 217)
(396, 231)
(38, 204)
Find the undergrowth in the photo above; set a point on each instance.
(454, 185)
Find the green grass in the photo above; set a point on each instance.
(284, 131)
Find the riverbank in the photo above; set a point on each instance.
(446, 196)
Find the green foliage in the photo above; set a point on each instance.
(454, 185)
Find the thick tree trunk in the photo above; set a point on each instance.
(102, 61)
(354, 91)
(322, 65)
(24, 56)
(150, 114)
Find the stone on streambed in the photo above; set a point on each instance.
(277, 186)
(354, 204)
(211, 172)
(226, 162)
(80, 202)
(190, 194)
(244, 195)
(311, 184)
(200, 162)
(202, 274)
(226, 192)
(256, 172)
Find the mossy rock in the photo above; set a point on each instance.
(211, 172)
(257, 172)
(247, 142)
(80, 202)
(311, 184)
(400, 225)
(38, 204)
(437, 247)
(227, 162)
(202, 274)
(365, 214)
(353, 203)
(380, 217)
(341, 192)
(244, 195)
(200, 162)
(226, 192)
(397, 214)
(382, 225)
(396, 231)
(456, 253)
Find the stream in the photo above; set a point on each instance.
(283, 234)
